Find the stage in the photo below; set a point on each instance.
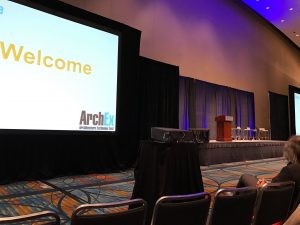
(216, 152)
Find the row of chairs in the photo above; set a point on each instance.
(234, 206)
(239, 133)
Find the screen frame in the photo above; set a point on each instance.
(292, 91)
(77, 15)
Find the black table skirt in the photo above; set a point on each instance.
(226, 152)
(166, 169)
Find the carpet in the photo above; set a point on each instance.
(64, 194)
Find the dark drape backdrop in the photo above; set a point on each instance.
(39, 156)
(158, 96)
(200, 102)
(279, 116)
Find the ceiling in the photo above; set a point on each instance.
(283, 14)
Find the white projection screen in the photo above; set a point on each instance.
(294, 109)
(55, 74)
(297, 112)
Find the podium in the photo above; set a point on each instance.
(224, 128)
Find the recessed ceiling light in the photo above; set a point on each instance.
(291, 9)
(282, 21)
(297, 35)
(268, 7)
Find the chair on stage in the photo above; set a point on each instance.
(130, 212)
(253, 134)
(237, 133)
(263, 134)
(247, 133)
(234, 206)
(274, 202)
(189, 209)
(41, 218)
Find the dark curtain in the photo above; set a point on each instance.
(40, 156)
(200, 102)
(158, 96)
(279, 116)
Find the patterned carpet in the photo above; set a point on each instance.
(64, 194)
(227, 175)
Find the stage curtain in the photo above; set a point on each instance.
(200, 102)
(279, 116)
(158, 96)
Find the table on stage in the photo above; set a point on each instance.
(166, 169)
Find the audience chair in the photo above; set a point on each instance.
(274, 202)
(41, 218)
(130, 212)
(295, 200)
(189, 209)
(234, 206)
(294, 219)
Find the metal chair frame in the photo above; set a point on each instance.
(177, 198)
(32, 216)
(229, 192)
(86, 207)
(261, 193)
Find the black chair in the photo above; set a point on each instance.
(294, 219)
(296, 199)
(274, 202)
(234, 206)
(130, 212)
(189, 209)
(41, 218)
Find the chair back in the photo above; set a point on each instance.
(130, 212)
(234, 206)
(41, 218)
(274, 202)
(295, 200)
(189, 209)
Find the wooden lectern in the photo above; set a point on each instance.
(224, 128)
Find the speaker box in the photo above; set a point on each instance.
(201, 135)
(169, 135)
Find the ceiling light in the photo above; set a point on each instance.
(291, 9)
(282, 21)
(268, 7)
(297, 35)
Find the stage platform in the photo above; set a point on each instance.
(216, 152)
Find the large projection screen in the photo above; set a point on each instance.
(55, 74)
(297, 112)
(294, 101)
